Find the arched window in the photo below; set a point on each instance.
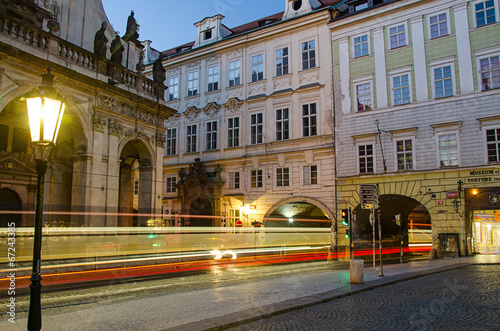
(9, 201)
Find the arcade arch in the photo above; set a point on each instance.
(298, 212)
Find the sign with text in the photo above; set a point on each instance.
(369, 196)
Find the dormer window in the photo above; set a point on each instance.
(207, 34)
(297, 4)
(360, 6)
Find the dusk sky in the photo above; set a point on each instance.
(169, 23)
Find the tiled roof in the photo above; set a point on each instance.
(246, 27)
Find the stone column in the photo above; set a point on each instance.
(81, 189)
(113, 171)
(146, 181)
(125, 196)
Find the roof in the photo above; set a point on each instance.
(261, 22)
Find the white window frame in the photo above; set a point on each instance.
(441, 63)
(481, 55)
(448, 24)
(285, 132)
(368, 41)
(493, 126)
(312, 128)
(312, 54)
(234, 180)
(211, 135)
(136, 187)
(438, 147)
(256, 178)
(259, 66)
(396, 153)
(307, 175)
(399, 73)
(233, 132)
(474, 15)
(358, 157)
(191, 138)
(193, 83)
(234, 73)
(213, 78)
(363, 81)
(170, 183)
(282, 58)
(171, 141)
(405, 33)
(283, 177)
(173, 88)
(254, 129)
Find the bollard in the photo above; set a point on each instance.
(357, 271)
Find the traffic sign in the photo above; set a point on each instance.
(239, 224)
(369, 196)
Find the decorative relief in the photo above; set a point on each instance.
(256, 88)
(173, 70)
(173, 120)
(192, 113)
(213, 58)
(100, 122)
(233, 105)
(282, 82)
(193, 64)
(161, 138)
(212, 109)
(12, 165)
(235, 92)
(308, 76)
(213, 97)
(192, 103)
(234, 52)
(115, 128)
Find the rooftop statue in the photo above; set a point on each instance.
(100, 40)
(117, 50)
(132, 28)
(159, 72)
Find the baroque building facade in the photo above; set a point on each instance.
(252, 142)
(112, 118)
(417, 112)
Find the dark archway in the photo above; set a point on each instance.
(200, 207)
(415, 222)
(10, 201)
(300, 213)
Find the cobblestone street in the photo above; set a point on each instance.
(462, 299)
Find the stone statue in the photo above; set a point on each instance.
(159, 72)
(132, 28)
(117, 50)
(100, 40)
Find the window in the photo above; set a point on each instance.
(308, 55)
(309, 120)
(485, 12)
(173, 88)
(364, 96)
(234, 215)
(207, 34)
(256, 129)
(365, 157)
(191, 138)
(234, 73)
(211, 136)
(171, 142)
(256, 178)
(404, 154)
(493, 144)
(443, 81)
(397, 36)
(282, 177)
(233, 132)
(282, 124)
(401, 89)
(234, 180)
(490, 72)
(213, 78)
(257, 67)
(136, 187)
(310, 175)
(361, 46)
(170, 185)
(438, 25)
(192, 83)
(282, 61)
(448, 150)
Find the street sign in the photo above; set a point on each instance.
(369, 196)
(166, 213)
(239, 224)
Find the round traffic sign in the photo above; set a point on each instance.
(239, 224)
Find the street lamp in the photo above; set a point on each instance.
(45, 111)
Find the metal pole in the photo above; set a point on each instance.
(380, 244)
(372, 213)
(401, 241)
(35, 312)
(350, 234)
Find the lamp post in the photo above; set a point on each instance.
(45, 111)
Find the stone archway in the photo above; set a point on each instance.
(298, 212)
(135, 165)
(10, 201)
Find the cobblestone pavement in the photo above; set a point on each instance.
(462, 299)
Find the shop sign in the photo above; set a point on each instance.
(483, 176)
(452, 195)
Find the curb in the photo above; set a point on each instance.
(251, 315)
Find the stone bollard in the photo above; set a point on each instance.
(357, 272)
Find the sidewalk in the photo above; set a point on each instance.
(213, 309)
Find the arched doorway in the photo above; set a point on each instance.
(298, 212)
(10, 201)
(200, 207)
(136, 184)
(416, 225)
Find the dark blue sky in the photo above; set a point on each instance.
(169, 23)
